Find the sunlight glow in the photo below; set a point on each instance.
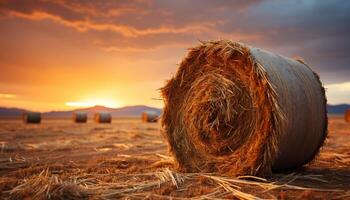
(79, 104)
(338, 93)
(94, 102)
(7, 96)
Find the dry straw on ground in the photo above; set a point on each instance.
(80, 117)
(149, 116)
(32, 117)
(103, 117)
(239, 110)
(148, 186)
(347, 115)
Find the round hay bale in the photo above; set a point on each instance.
(80, 117)
(239, 110)
(347, 115)
(103, 117)
(32, 117)
(149, 116)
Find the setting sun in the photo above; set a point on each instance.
(95, 102)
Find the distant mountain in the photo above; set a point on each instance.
(124, 111)
(11, 112)
(116, 112)
(338, 109)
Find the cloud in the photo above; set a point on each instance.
(126, 31)
(316, 30)
(105, 9)
(338, 93)
(128, 18)
(7, 96)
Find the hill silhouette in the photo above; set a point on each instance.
(125, 111)
(116, 112)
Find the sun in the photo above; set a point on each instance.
(94, 102)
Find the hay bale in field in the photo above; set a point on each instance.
(80, 117)
(32, 117)
(149, 116)
(234, 109)
(347, 115)
(103, 117)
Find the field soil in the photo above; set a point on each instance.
(129, 159)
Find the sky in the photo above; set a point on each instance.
(62, 54)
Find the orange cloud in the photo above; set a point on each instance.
(90, 8)
(136, 49)
(126, 31)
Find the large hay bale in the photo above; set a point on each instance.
(103, 117)
(236, 110)
(32, 117)
(80, 117)
(347, 115)
(149, 116)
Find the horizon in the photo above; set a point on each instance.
(63, 55)
(80, 108)
(127, 106)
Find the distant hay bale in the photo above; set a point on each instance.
(103, 117)
(80, 117)
(32, 117)
(239, 110)
(149, 116)
(347, 115)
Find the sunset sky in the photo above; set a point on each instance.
(57, 55)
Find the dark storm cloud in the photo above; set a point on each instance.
(318, 31)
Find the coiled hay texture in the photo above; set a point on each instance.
(237, 110)
(32, 117)
(149, 116)
(80, 117)
(347, 115)
(103, 117)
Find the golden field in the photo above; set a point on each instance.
(129, 159)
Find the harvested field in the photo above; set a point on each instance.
(128, 159)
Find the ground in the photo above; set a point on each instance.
(128, 159)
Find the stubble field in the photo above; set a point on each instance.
(128, 159)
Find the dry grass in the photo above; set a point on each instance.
(59, 160)
(83, 185)
(47, 186)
